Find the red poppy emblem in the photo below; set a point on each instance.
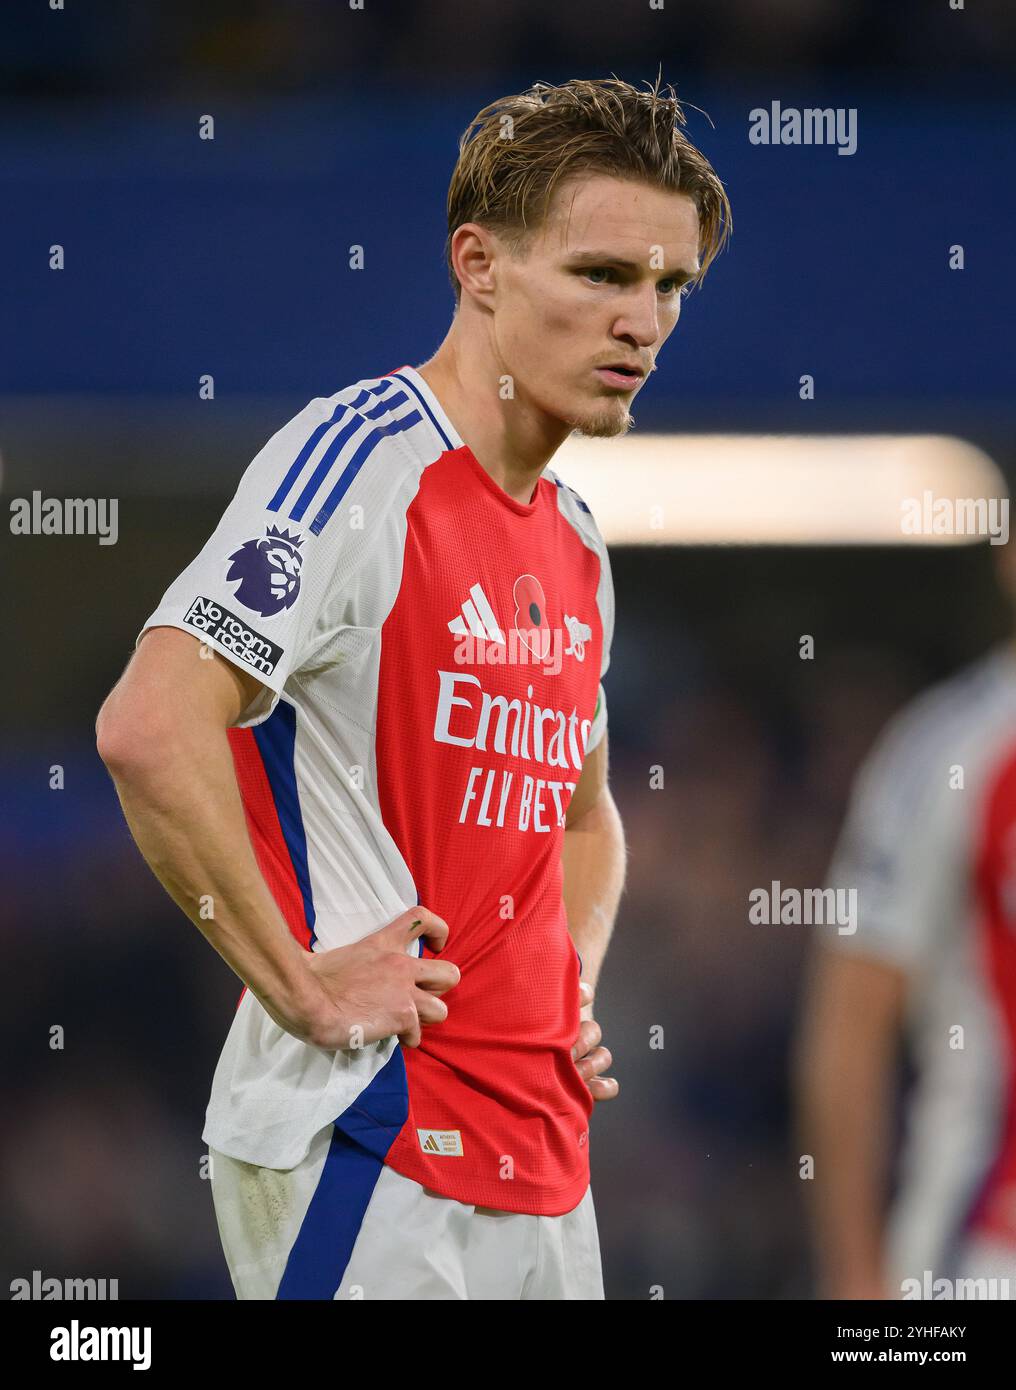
(531, 615)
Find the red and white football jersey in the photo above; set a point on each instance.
(930, 847)
(432, 652)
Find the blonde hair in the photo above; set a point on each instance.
(517, 152)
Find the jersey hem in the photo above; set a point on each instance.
(553, 1201)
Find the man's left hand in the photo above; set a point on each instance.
(591, 1059)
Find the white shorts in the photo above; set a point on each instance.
(341, 1224)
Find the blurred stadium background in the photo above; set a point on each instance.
(230, 257)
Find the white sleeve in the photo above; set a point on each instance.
(256, 591)
(605, 598)
(901, 848)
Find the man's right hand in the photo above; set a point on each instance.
(375, 988)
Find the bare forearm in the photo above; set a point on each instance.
(849, 1183)
(845, 1068)
(593, 864)
(184, 810)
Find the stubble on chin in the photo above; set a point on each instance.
(605, 424)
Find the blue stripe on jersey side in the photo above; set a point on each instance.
(424, 406)
(950, 1257)
(354, 465)
(316, 435)
(361, 1138)
(276, 741)
(977, 1187)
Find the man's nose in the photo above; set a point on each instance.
(641, 319)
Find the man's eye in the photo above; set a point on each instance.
(592, 271)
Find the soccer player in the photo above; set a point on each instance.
(362, 742)
(930, 846)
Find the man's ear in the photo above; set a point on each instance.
(474, 253)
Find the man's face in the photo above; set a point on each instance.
(597, 287)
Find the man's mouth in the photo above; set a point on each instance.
(623, 378)
(620, 375)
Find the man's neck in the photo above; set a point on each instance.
(512, 442)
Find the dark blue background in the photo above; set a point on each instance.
(230, 256)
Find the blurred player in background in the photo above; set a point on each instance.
(930, 845)
(415, 617)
